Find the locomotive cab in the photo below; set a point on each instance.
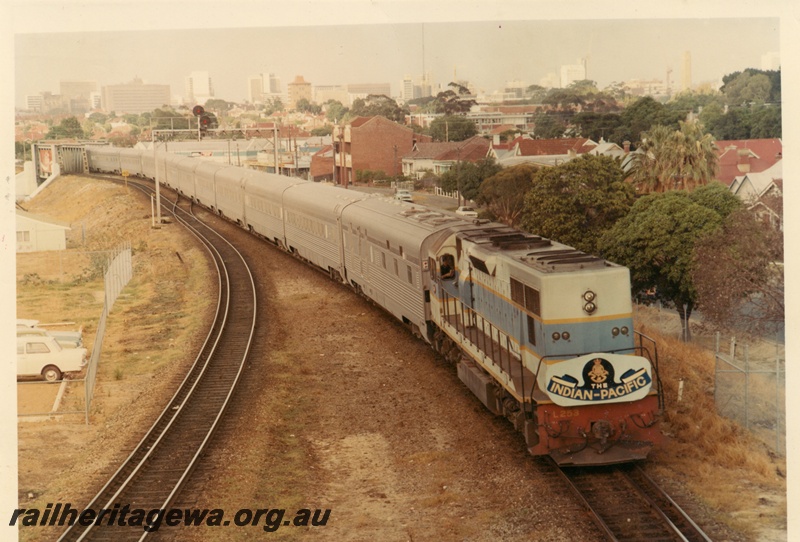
(545, 337)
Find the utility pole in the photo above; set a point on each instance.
(158, 184)
(275, 145)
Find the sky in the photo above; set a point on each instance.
(487, 42)
(485, 53)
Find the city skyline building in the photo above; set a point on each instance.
(134, 97)
(199, 88)
(686, 75)
(255, 88)
(572, 72)
(297, 90)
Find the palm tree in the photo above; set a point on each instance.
(675, 159)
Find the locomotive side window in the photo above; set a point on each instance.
(531, 330)
(447, 267)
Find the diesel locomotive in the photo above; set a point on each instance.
(540, 332)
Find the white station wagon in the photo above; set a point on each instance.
(42, 355)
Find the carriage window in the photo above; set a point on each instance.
(410, 275)
(383, 259)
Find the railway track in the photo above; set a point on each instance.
(627, 505)
(151, 476)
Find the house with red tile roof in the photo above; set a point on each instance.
(740, 157)
(437, 156)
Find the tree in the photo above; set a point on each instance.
(576, 202)
(641, 116)
(749, 87)
(452, 128)
(379, 105)
(69, 128)
(454, 101)
(738, 275)
(305, 106)
(548, 126)
(466, 177)
(322, 130)
(657, 238)
(503, 194)
(596, 126)
(675, 159)
(765, 122)
(335, 110)
(273, 105)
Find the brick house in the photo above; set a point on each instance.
(437, 157)
(371, 144)
(740, 157)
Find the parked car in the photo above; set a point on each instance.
(42, 355)
(67, 339)
(467, 212)
(403, 195)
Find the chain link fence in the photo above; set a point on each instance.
(51, 271)
(750, 388)
(749, 372)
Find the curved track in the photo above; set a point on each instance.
(152, 475)
(627, 505)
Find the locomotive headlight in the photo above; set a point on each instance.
(588, 295)
(556, 336)
(565, 335)
(624, 330)
(590, 307)
(615, 331)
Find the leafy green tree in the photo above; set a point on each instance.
(218, 105)
(454, 101)
(379, 105)
(548, 126)
(167, 118)
(452, 128)
(466, 177)
(657, 238)
(738, 275)
(675, 159)
(273, 105)
(322, 131)
(576, 202)
(98, 117)
(335, 110)
(765, 122)
(641, 116)
(503, 194)
(535, 93)
(748, 88)
(69, 128)
(596, 126)
(305, 106)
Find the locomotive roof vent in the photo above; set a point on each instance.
(565, 260)
(518, 240)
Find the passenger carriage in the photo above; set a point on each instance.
(311, 219)
(263, 204)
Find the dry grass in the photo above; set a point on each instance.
(722, 463)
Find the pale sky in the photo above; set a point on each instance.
(489, 52)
